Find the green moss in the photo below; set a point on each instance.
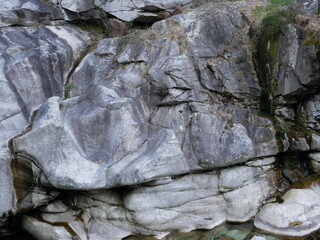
(299, 131)
(310, 39)
(273, 23)
(257, 12)
(67, 89)
(91, 28)
(280, 2)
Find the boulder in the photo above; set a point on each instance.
(298, 215)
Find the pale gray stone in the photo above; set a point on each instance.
(257, 238)
(306, 7)
(77, 5)
(138, 10)
(285, 112)
(298, 215)
(27, 13)
(42, 230)
(315, 142)
(315, 162)
(173, 203)
(312, 108)
(261, 162)
(300, 145)
(34, 65)
(296, 68)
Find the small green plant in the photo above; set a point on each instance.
(67, 89)
(257, 12)
(301, 131)
(280, 2)
(274, 21)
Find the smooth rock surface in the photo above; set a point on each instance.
(164, 129)
(298, 215)
(193, 201)
(34, 65)
(121, 90)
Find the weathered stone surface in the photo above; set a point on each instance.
(285, 112)
(139, 10)
(116, 106)
(315, 162)
(300, 145)
(184, 203)
(315, 142)
(47, 231)
(156, 117)
(34, 65)
(306, 7)
(261, 162)
(298, 215)
(27, 13)
(257, 238)
(312, 109)
(77, 5)
(297, 68)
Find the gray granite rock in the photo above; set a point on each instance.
(285, 112)
(47, 231)
(162, 131)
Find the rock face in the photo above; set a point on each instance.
(35, 63)
(143, 138)
(147, 108)
(186, 203)
(156, 131)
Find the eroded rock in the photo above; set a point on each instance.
(184, 203)
(34, 65)
(298, 215)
